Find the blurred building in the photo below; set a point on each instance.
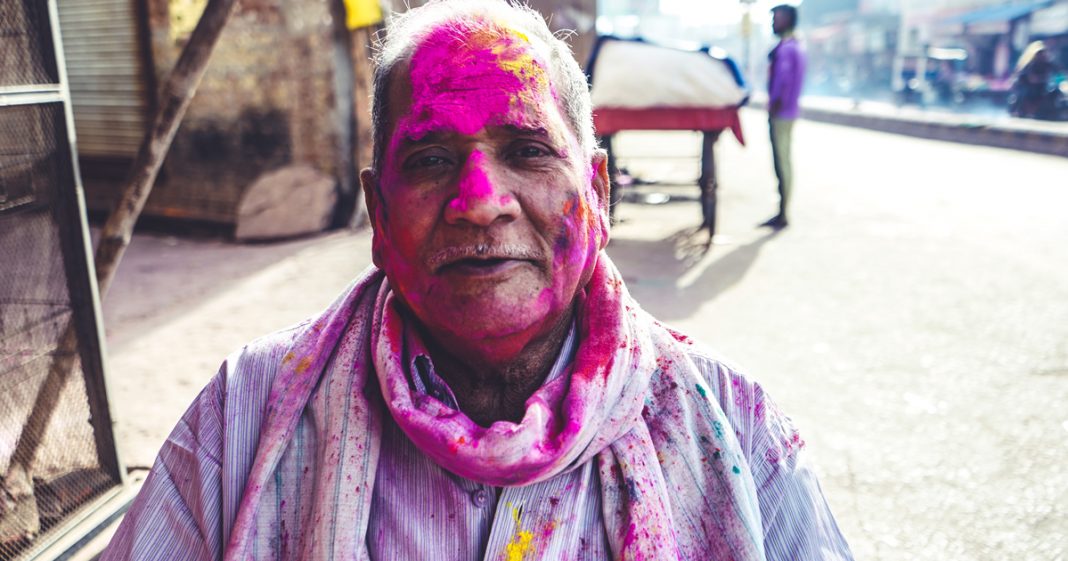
(989, 36)
(950, 51)
(1050, 24)
(267, 100)
(279, 93)
(851, 46)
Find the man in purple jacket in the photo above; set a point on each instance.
(786, 72)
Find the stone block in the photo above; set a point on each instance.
(291, 201)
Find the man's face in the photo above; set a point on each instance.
(488, 214)
(780, 22)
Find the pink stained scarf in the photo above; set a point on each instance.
(660, 457)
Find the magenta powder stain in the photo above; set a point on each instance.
(460, 85)
(474, 183)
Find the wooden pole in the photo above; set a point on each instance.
(16, 489)
(708, 182)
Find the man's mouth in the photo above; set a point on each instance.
(477, 266)
(481, 259)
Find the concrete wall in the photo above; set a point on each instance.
(269, 99)
(266, 101)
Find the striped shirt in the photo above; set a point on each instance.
(420, 511)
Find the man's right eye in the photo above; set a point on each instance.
(425, 161)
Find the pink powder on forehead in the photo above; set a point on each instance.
(465, 79)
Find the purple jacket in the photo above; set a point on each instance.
(786, 73)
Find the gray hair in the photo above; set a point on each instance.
(406, 31)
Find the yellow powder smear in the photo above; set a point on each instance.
(522, 543)
(522, 66)
(303, 365)
(526, 68)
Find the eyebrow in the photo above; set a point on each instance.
(430, 137)
(539, 132)
(436, 136)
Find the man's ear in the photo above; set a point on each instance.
(372, 198)
(602, 187)
(601, 182)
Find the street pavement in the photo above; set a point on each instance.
(913, 320)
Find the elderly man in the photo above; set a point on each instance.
(489, 390)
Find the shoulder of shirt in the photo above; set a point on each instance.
(276, 343)
(793, 46)
(257, 362)
(761, 427)
(725, 380)
(708, 360)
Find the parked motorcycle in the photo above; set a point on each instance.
(1039, 88)
(1047, 101)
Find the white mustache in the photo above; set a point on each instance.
(453, 254)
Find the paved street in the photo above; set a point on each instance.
(913, 320)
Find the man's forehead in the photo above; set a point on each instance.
(498, 36)
(461, 70)
(481, 44)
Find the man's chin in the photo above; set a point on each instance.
(493, 313)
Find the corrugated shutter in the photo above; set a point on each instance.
(107, 82)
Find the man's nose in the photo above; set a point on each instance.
(479, 199)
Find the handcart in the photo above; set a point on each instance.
(639, 85)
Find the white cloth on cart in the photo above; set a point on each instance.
(636, 75)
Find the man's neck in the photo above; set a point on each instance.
(497, 390)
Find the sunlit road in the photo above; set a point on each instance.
(913, 319)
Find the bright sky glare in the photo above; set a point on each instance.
(718, 12)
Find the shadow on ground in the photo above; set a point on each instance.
(162, 277)
(673, 276)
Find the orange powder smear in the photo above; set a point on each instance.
(303, 365)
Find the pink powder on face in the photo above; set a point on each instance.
(474, 183)
(464, 80)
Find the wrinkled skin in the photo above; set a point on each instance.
(488, 216)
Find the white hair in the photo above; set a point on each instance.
(406, 31)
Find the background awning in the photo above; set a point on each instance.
(995, 14)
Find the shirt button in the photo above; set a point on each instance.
(480, 498)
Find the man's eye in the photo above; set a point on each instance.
(425, 161)
(527, 151)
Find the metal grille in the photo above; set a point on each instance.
(26, 48)
(42, 329)
(56, 449)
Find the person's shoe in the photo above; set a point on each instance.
(776, 222)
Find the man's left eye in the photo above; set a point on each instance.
(531, 151)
